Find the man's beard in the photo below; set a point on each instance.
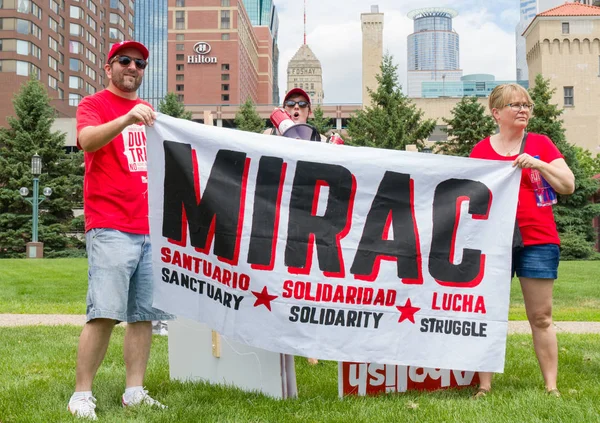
(127, 84)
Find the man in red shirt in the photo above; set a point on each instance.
(111, 132)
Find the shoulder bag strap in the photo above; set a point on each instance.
(523, 143)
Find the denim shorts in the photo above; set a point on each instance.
(537, 262)
(120, 284)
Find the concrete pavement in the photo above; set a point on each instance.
(9, 320)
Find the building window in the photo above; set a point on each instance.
(179, 3)
(180, 19)
(180, 37)
(224, 19)
(225, 87)
(180, 98)
(225, 36)
(75, 65)
(569, 101)
(224, 77)
(75, 47)
(224, 97)
(179, 56)
(179, 68)
(75, 12)
(225, 67)
(52, 63)
(179, 47)
(52, 82)
(224, 3)
(179, 87)
(75, 29)
(74, 99)
(179, 77)
(565, 27)
(75, 82)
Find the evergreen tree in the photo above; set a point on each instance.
(30, 133)
(469, 124)
(319, 121)
(171, 106)
(573, 213)
(392, 120)
(248, 119)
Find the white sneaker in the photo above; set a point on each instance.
(139, 398)
(159, 328)
(83, 408)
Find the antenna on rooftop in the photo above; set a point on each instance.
(304, 22)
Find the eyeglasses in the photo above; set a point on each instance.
(126, 61)
(516, 107)
(291, 103)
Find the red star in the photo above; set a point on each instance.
(407, 311)
(263, 298)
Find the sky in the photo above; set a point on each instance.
(486, 30)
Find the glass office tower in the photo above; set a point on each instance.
(264, 13)
(151, 30)
(433, 50)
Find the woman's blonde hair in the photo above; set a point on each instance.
(502, 94)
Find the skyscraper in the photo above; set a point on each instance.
(151, 30)
(433, 50)
(264, 13)
(372, 50)
(304, 71)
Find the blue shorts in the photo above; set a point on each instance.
(537, 262)
(120, 284)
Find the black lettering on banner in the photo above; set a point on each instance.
(306, 228)
(217, 213)
(448, 196)
(393, 206)
(265, 218)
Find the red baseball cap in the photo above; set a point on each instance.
(128, 44)
(296, 91)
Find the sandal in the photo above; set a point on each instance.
(554, 393)
(480, 393)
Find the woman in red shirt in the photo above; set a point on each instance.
(536, 265)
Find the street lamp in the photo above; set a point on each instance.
(35, 249)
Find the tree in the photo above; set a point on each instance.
(319, 121)
(171, 106)
(248, 119)
(29, 133)
(589, 163)
(469, 124)
(573, 213)
(392, 120)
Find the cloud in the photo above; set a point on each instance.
(486, 30)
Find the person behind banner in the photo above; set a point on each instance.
(536, 264)
(297, 103)
(111, 132)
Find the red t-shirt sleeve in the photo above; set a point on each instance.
(88, 114)
(549, 151)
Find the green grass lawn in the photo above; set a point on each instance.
(37, 373)
(59, 286)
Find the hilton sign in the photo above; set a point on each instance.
(202, 49)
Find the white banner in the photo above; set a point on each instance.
(334, 252)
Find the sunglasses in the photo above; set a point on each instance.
(126, 61)
(291, 103)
